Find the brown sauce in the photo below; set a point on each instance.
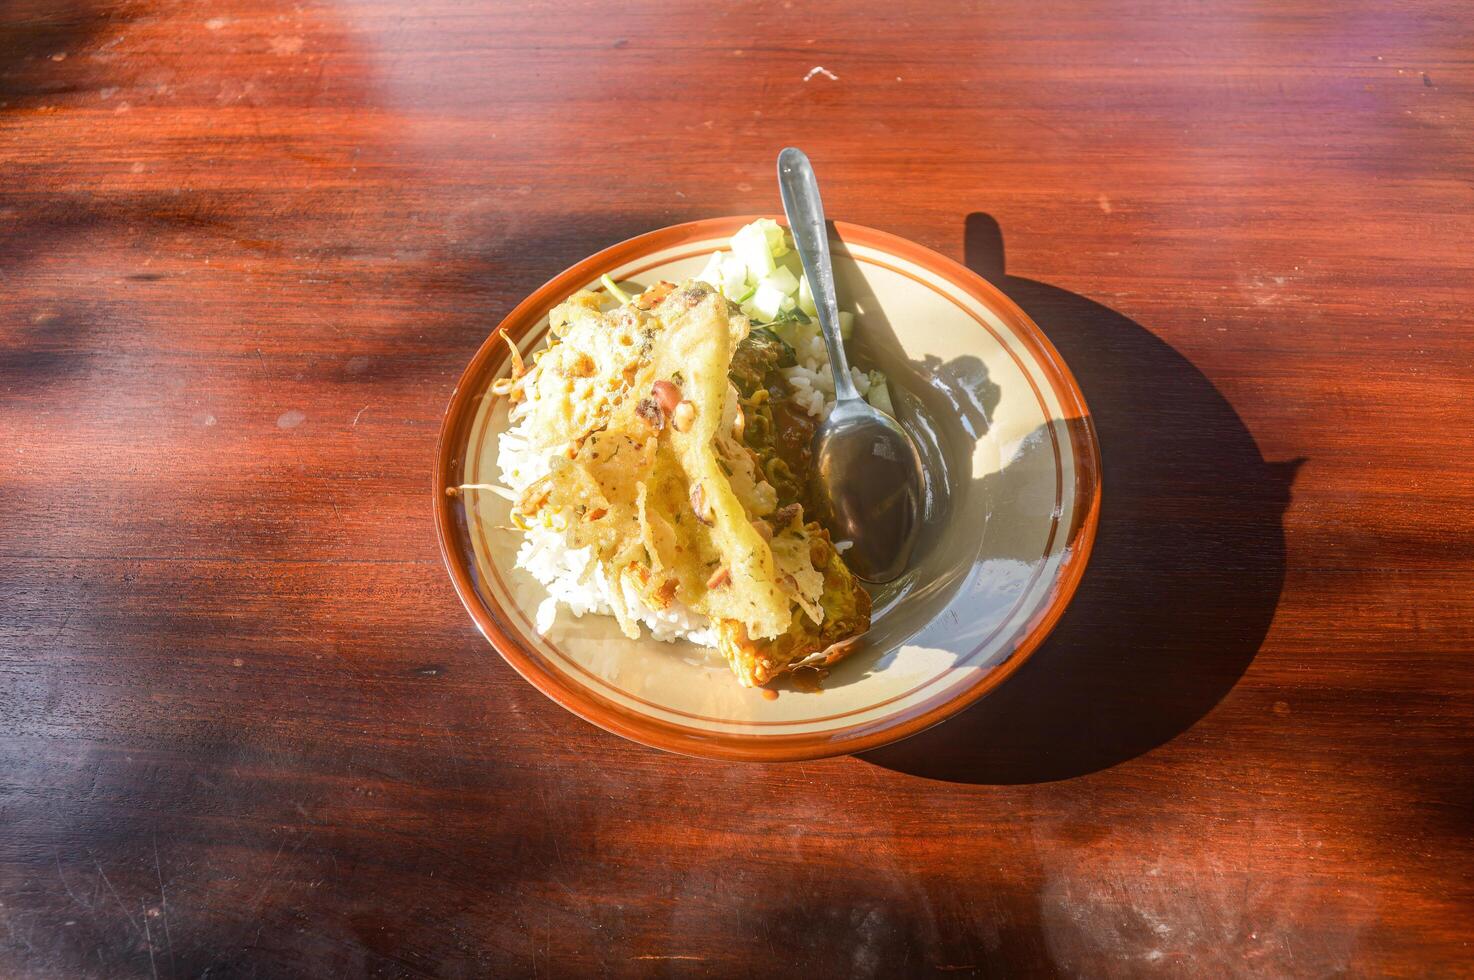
(808, 679)
(793, 435)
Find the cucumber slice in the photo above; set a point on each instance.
(734, 276)
(732, 265)
(806, 297)
(711, 273)
(767, 302)
(846, 324)
(750, 245)
(776, 236)
(783, 280)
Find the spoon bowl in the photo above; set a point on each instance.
(871, 472)
(867, 471)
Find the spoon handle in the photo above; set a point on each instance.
(806, 221)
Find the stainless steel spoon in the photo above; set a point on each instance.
(866, 465)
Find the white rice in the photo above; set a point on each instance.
(813, 382)
(573, 578)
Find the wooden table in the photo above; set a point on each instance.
(246, 248)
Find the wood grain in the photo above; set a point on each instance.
(245, 728)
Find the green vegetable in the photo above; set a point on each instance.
(614, 290)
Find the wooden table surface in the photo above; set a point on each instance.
(246, 248)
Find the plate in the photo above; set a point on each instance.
(1006, 433)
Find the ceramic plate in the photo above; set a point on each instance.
(1009, 441)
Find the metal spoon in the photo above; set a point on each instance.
(867, 467)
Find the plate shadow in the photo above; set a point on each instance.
(1186, 573)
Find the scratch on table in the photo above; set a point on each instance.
(63, 879)
(148, 935)
(163, 906)
(116, 896)
(65, 622)
(360, 414)
(821, 70)
(270, 869)
(542, 794)
(698, 959)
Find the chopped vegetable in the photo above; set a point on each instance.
(767, 302)
(777, 237)
(711, 273)
(734, 276)
(751, 246)
(783, 280)
(806, 297)
(763, 275)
